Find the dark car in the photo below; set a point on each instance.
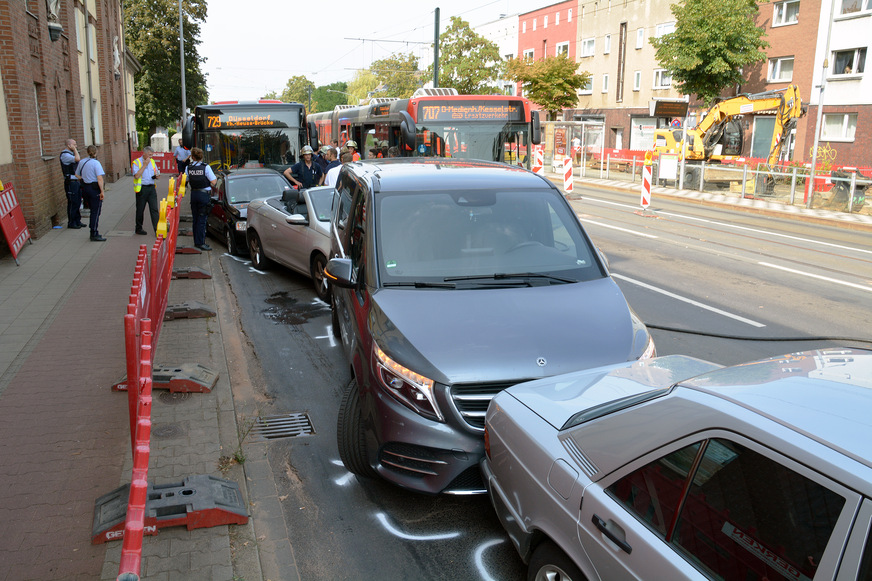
(228, 218)
(757, 471)
(455, 280)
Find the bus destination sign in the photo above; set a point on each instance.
(471, 111)
(231, 121)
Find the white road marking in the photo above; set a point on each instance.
(383, 519)
(329, 336)
(689, 301)
(479, 561)
(819, 277)
(627, 230)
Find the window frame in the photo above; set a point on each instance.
(854, 59)
(588, 47)
(782, 21)
(666, 28)
(605, 83)
(559, 46)
(640, 38)
(607, 44)
(846, 118)
(861, 11)
(637, 80)
(659, 74)
(588, 88)
(775, 65)
(529, 54)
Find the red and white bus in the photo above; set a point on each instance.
(437, 123)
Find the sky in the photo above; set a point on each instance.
(252, 47)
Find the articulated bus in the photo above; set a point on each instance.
(437, 123)
(265, 133)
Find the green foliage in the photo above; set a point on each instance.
(397, 75)
(297, 90)
(713, 40)
(151, 30)
(325, 100)
(271, 95)
(363, 83)
(552, 82)
(468, 62)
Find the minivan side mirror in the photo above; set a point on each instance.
(339, 272)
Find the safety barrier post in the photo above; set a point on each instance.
(646, 181)
(538, 161)
(568, 181)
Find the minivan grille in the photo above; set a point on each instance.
(472, 400)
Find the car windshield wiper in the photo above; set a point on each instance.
(504, 276)
(422, 284)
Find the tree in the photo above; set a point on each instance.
(468, 62)
(363, 83)
(272, 95)
(552, 82)
(712, 42)
(397, 75)
(327, 97)
(297, 90)
(152, 34)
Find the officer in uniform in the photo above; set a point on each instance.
(90, 174)
(69, 159)
(201, 178)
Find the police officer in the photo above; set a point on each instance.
(145, 173)
(201, 178)
(90, 174)
(69, 159)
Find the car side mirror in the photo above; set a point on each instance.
(297, 220)
(536, 129)
(339, 272)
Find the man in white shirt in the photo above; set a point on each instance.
(183, 156)
(333, 172)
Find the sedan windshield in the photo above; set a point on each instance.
(241, 189)
(481, 238)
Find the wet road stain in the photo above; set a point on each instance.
(288, 310)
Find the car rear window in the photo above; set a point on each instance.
(435, 235)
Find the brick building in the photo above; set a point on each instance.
(62, 74)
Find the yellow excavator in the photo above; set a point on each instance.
(718, 136)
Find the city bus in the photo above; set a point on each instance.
(437, 123)
(266, 133)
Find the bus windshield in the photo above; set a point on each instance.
(505, 142)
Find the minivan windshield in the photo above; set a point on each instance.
(476, 235)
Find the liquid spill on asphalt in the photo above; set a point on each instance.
(288, 310)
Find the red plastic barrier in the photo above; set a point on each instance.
(165, 161)
(12, 221)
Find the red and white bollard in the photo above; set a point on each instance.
(538, 161)
(646, 181)
(567, 175)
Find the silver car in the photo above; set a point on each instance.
(758, 471)
(293, 229)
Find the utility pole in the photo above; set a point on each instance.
(436, 52)
(182, 54)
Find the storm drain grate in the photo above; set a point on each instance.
(282, 426)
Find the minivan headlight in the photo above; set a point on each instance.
(409, 388)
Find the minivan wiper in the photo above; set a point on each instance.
(504, 276)
(422, 284)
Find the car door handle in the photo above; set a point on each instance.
(601, 525)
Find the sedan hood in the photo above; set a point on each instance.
(557, 399)
(504, 335)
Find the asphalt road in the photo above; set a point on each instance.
(681, 266)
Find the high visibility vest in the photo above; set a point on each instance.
(137, 181)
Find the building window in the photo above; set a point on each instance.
(607, 42)
(545, 22)
(563, 48)
(534, 24)
(92, 42)
(839, 126)
(509, 57)
(662, 79)
(587, 46)
(785, 13)
(640, 38)
(38, 102)
(664, 28)
(637, 80)
(849, 62)
(854, 6)
(781, 70)
(587, 88)
(605, 83)
(557, 19)
(524, 27)
(569, 15)
(79, 30)
(528, 54)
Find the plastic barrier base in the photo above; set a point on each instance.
(188, 250)
(191, 272)
(184, 378)
(188, 310)
(198, 502)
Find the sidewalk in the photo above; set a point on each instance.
(64, 434)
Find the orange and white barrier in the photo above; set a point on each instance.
(646, 181)
(568, 181)
(538, 160)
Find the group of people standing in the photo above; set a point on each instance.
(83, 180)
(321, 169)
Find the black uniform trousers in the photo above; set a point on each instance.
(91, 193)
(201, 201)
(147, 195)
(74, 202)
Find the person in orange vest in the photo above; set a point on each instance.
(352, 147)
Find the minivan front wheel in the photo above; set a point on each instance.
(350, 435)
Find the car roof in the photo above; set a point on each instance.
(825, 394)
(410, 174)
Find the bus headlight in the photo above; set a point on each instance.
(409, 388)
